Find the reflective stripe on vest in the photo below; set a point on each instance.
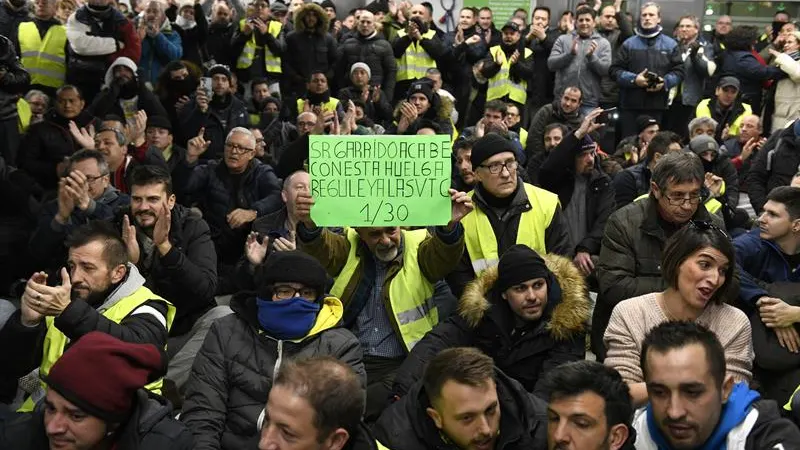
(44, 60)
(55, 341)
(480, 238)
(415, 62)
(703, 110)
(410, 294)
(500, 85)
(329, 106)
(272, 63)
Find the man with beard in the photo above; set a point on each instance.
(585, 192)
(215, 116)
(97, 35)
(464, 402)
(581, 58)
(160, 43)
(84, 194)
(375, 101)
(565, 110)
(370, 48)
(220, 34)
(172, 248)
(99, 290)
(41, 44)
(463, 178)
(693, 404)
(726, 107)
(309, 48)
(647, 66)
(385, 277)
(417, 49)
(124, 94)
(174, 89)
(261, 39)
(508, 67)
(318, 97)
(589, 408)
(47, 143)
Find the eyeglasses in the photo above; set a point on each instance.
(703, 225)
(236, 148)
(680, 199)
(284, 292)
(93, 179)
(496, 168)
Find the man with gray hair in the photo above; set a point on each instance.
(160, 43)
(634, 237)
(39, 103)
(231, 192)
(702, 125)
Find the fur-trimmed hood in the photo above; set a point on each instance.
(570, 315)
(443, 107)
(311, 8)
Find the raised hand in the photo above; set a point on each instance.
(303, 204)
(461, 205)
(254, 250)
(162, 227)
(84, 137)
(129, 237)
(77, 185)
(201, 98)
(589, 125)
(50, 300)
(196, 146)
(30, 298)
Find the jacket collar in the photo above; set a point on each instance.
(650, 224)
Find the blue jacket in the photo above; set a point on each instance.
(659, 54)
(157, 52)
(760, 260)
(751, 73)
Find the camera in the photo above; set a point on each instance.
(653, 79)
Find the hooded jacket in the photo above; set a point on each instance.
(405, 425)
(774, 165)
(309, 50)
(439, 112)
(150, 427)
(109, 101)
(47, 143)
(546, 115)
(484, 320)
(233, 371)
(746, 423)
(655, 52)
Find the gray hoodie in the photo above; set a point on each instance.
(578, 69)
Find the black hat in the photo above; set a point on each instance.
(519, 264)
(328, 4)
(278, 8)
(377, 7)
(423, 87)
(159, 122)
(512, 25)
(729, 82)
(643, 122)
(274, 100)
(703, 143)
(489, 145)
(290, 267)
(219, 69)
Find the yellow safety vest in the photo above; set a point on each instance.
(482, 242)
(410, 294)
(415, 62)
(703, 110)
(500, 85)
(329, 106)
(25, 114)
(55, 341)
(523, 137)
(272, 63)
(44, 60)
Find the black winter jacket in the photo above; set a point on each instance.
(557, 175)
(187, 275)
(234, 369)
(14, 82)
(193, 40)
(540, 91)
(10, 19)
(377, 53)
(212, 187)
(631, 183)
(219, 46)
(484, 320)
(547, 114)
(107, 102)
(150, 427)
(47, 143)
(774, 165)
(380, 112)
(405, 425)
(308, 50)
(751, 73)
(217, 121)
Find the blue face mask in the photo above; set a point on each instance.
(287, 319)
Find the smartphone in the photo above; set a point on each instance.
(205, 83)
(606, 115)
(275, 234)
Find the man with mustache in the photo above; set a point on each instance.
(172, 248)
(694, 405)
(385, 277)
(98, 290)
(464, 402)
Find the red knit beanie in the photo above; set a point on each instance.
(100, 374)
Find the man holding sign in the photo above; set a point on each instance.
(508, 212)
(385, 277)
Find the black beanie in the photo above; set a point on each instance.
(421, 86)
(290, 267)
(518, 265)
(488, 146)
(645, 121)
(328, 4)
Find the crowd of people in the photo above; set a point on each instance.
(620, 268)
